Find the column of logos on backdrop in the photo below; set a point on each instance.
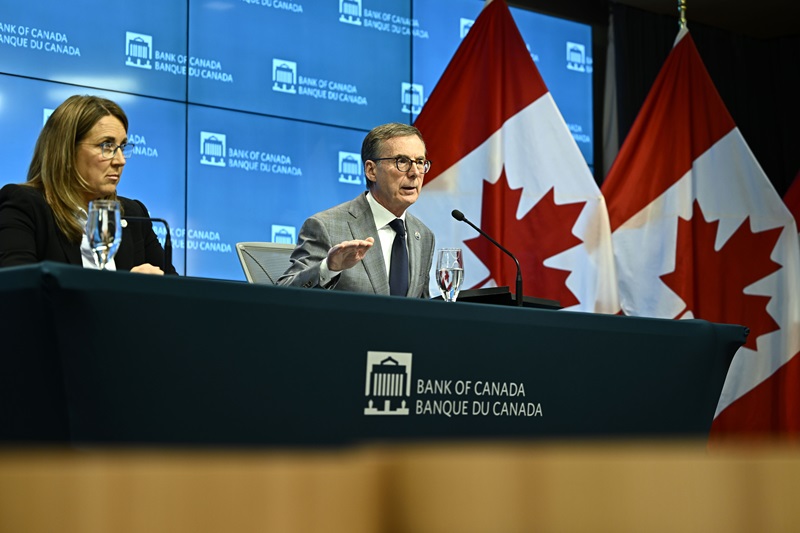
(353, 12)
(577, 61)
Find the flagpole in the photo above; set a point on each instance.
(682, 13)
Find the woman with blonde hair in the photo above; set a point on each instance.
(79, 157)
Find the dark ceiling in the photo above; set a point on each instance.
(765, 19)
(756, 18)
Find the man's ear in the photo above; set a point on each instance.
(371, 170)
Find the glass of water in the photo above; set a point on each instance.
(449, 272)
(104, 230)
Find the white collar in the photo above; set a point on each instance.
(381, 215)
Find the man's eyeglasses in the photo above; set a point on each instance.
(403, 163)
(108, 149)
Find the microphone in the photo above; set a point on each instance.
(458, 215)
(167, 238)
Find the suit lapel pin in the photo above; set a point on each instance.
(416, 235)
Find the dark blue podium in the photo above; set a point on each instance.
(94, 357)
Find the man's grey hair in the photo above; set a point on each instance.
(373, 142)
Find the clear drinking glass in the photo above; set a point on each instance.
(104, 230)
(449, 272)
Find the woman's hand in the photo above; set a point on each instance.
(147, 268)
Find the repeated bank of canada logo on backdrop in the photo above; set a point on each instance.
(212, 148)
(412, 98)
(350, 12)
(576, 57)
(284, 234)
(350, 168)
(138, 50)
(284, 76)
(388, 383)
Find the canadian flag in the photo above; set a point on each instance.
(699, 232)
(503, 155)
(792, 198)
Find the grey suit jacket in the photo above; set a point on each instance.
(354, 220)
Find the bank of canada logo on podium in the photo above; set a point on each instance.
(350, 168)
(212, 148)
(350, 12)
(138, 50)
(284, 76)
(388, 385)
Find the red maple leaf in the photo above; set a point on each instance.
(711, 283)
(545, 231)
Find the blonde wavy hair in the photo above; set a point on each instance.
(52, 169)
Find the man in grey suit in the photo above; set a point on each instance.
(351, 247)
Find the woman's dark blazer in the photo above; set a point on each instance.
(29, 234)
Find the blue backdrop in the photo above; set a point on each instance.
(248, 115)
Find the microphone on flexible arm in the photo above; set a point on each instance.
(167, 238)
(458, 215)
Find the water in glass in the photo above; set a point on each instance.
(449, 272)
(104, 230)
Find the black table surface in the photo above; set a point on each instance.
(115, 357)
